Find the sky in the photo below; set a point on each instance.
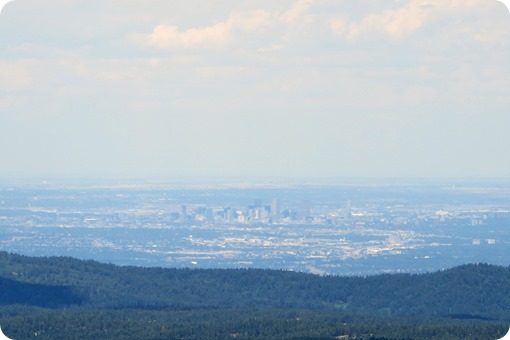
(298, 88)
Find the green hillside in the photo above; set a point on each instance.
(78, 297)
(480, 290)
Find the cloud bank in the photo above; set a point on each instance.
(294, 87)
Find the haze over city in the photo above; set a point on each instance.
(168, 89)
(254, 169)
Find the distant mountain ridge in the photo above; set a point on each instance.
(477, 291)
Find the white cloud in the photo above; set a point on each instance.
(165, 36)
(395, 23)
(338, 26)
(249, 22)
(401, 22)
(300, 74)
(296, 11)
(169, 36)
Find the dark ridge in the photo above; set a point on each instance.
(21, 293)
(476, 291)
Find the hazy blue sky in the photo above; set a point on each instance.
(137, 88)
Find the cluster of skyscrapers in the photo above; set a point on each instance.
(255, 212)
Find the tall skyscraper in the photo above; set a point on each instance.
(275, 208)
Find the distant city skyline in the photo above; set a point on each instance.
(297, 88)
(350, 229)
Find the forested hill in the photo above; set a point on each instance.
(478, 291)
